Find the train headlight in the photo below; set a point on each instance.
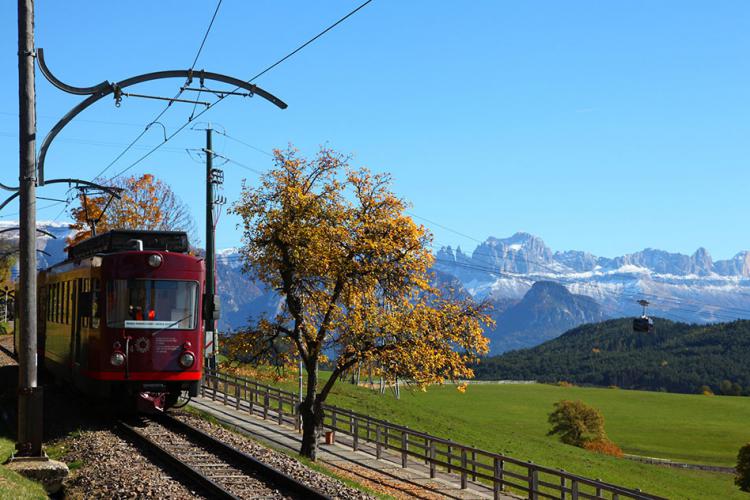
(117, 359)
(154, 260)
(187, 359)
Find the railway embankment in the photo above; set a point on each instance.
(105, 464)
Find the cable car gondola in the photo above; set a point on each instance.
(644, 324)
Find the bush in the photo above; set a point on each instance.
(576, 422)
(742, 477)
(603, 446)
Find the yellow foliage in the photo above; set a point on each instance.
(354, 273)
(145, 203)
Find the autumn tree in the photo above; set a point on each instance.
(576, 423)
(353, 272)
(145, 203)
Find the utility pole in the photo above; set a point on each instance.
(210, 251)
(29, 442)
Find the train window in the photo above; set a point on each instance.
(161, 304)
(49, 302)
(66, 301)
(94, 303)
(56, 305)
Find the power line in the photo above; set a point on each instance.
(166, 107)
(241, 165)
(259, 150)
(222, 97)
(309, 41)
(205, 36)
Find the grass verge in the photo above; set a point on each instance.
(13, 485)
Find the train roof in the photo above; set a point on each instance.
(122, 240)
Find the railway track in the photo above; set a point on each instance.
(217, 468)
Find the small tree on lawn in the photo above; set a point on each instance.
(352, 270)
(742, 477)
(576, 423)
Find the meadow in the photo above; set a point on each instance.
(512, 419)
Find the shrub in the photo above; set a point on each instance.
(576, 422)
(565, 383)
(706, 391)
(742, 477)
(603, 446)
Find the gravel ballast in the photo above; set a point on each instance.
(113, 468)
(325, 484)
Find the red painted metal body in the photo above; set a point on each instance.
(95, 307)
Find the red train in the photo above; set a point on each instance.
(122, 317)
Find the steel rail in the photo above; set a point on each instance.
(280, 480)
(210, 487)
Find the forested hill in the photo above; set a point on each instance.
(677, 357)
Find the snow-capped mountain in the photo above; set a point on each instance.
(690, 288)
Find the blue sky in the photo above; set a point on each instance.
(601, 126)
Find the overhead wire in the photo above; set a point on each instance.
(258, 75)
(168, 105)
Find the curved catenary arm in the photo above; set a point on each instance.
(108, 189)
(105, 88)
(37, 229)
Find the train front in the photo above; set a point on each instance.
(152, 325)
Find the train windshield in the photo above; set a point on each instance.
(162, 304)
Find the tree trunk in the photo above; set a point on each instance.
(311, 410)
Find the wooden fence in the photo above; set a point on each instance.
(412, 447)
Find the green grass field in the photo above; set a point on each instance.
(11, 484)
(512, 419)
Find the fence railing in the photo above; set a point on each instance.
(411, 447)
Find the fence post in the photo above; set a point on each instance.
(473, 465)
(449, 457)
(355, 440)
(598, 488)
(497, 477)
(378, 445)
(334, 420)
(280, 411)
(574, 490)
(404, 444)
(533, 481)
(225, 391)
(463, 469)
(250, 400)
(562, 484)
(433, 472)
(265, 405)
(237, 397)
